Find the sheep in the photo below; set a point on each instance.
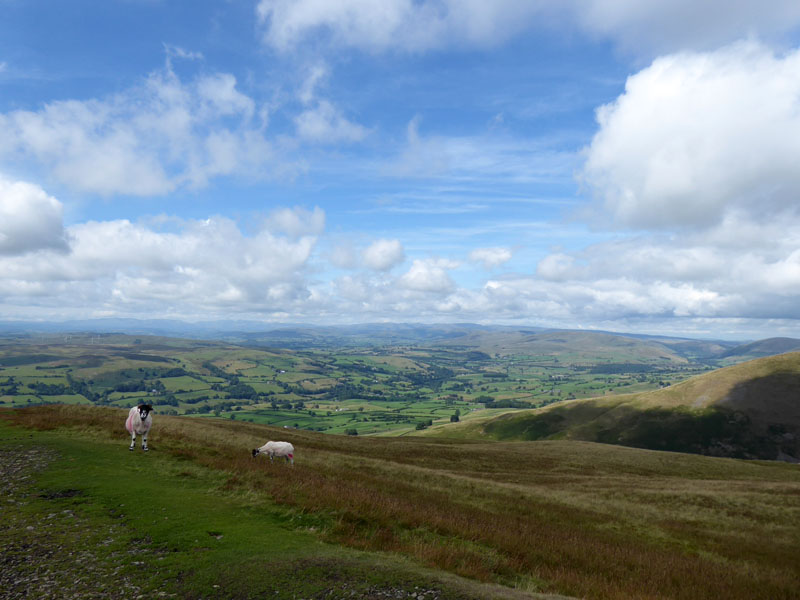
(139, 421)
(274, 449)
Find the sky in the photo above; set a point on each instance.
(587, 164)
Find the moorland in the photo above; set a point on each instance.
(378, 517)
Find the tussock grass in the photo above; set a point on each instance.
(572, 518)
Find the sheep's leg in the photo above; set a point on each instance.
(144, 442)
(133, 440)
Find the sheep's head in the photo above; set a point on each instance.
(144, 410)
(255, 452)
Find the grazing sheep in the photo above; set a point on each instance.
(278, 449)
(139, 421)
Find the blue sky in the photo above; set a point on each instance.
(606, 164)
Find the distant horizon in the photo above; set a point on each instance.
(578, 165)
(232, 326)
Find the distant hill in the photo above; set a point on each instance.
(767, 347)
(568, 346)
(750, 410)
(571, 346)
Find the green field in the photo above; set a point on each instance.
(100, 521)
(364, 517)
(375, 391)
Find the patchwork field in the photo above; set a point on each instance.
(356, 390)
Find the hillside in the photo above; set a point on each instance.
(767, 347)
(750, 410)
(374, 518)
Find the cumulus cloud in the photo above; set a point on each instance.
(343, 255)
(297, 222)
(697, 134)
(411, 25)
(735, 269)
(205, 267)
(490, 258)
(383, 255)
(429, 276)
(155, 137)
(30, 219)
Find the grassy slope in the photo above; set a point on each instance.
(170, 526)
(747, 407)
(573, 518)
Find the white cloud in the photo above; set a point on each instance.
(490, 258)
(324, 123)
(736, 269)
(308, 90)
(695, 135)
(343, 255)
(30, 219)
(297, 222)
(410, 25)
(383, 255)
(429, 276)
(150, 139)
(207, 267)
(669, 25)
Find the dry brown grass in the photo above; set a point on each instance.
(565, 517)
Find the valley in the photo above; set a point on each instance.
(358, 386)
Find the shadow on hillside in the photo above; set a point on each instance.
(759, 419)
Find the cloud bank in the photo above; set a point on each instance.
(417, 26)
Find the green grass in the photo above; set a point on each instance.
(185, 383)
(195, 532)
(574, 518)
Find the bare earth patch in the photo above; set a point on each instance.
(58, 553)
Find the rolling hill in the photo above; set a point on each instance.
(750, 410)
(767, 347)
(572, 345)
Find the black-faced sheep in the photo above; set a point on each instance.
(273, 449)
(139, 421)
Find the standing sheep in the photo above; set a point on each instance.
(139, 421)
(278, 449)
